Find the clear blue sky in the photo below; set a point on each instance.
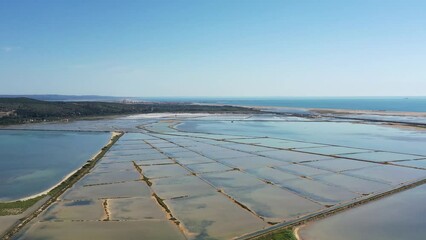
(213, 48)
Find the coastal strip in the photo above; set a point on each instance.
(60, 188)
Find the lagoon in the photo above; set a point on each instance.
(34, 161)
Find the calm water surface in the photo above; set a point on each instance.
(34, 161)
(400, 216)
(339, 133)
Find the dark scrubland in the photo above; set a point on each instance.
(27, 110)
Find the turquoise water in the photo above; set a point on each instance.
(409, 104)
(400, 216)
(338, 133)
(33, 161)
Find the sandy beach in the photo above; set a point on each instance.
(367, 112)
(342, 111)
(296, 232)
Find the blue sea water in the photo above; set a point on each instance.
(404, 104)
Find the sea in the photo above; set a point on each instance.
(402, 104)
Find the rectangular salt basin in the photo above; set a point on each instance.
(174, 187)
(183, 143)
(130, 158)
(339, 164)
(301, 170)
(106, 167)
(155, 162)
(156, 141)
(207, 150)
(173, 150)
(130, 147)
(133, 209)
(216, 142)
(110, 177)
(193, 160)
(183, 154)
(202, 147)
(294, 144)
(278, 143)
(132, 151)
(106, 230)
(319, 192)
(231, 179)
(251, 162)
(135, 137)
(164, 145)
(147, 151)
(271, 175)
(269, 142)
(158, 171)
(142, 161)
(205, 147)
(130, 142)
(381, 156)
(75, 210)
(249, 140)
(389, 174)
(213, 217)
(291, 156)
(353, 184)
(208, 167)
(128, 152)
(115, 159)
(246, 147)
(126, 189)
(226, 154)
(150, 156)
(273, 203)
(217, 136)
(333, 150)
(414, 163)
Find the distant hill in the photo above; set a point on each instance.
(24, 110)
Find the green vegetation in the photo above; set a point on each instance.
(17, 207)
(285, 234)
(25, 110)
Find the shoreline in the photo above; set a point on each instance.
(46, 192)
(341, 111)
(62, 187)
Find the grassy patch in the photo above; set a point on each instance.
(17, 207)
(286, 234)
